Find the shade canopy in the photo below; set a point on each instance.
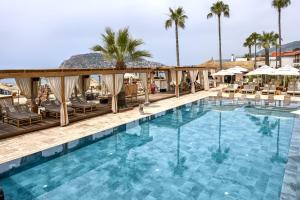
(234, 71)
(239, 68)
(223, 73)
(264, 70)
(287, 70)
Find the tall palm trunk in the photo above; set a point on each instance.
(220, 40)
(279, 32)
(276, 57)
(121, 97)
(250, 53)
(267, 56)
(177, 44)
(255, 55)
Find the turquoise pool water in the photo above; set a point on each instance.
(194, 152)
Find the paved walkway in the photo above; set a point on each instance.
(20, 146)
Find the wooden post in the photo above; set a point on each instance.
(83, 86)
(147, 97)
(177, 85)
(168, 80)
(114, 94)
(63, 97)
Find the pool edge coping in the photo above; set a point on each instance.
(103, 130)
(290, 189)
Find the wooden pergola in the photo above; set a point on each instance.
(35, 74)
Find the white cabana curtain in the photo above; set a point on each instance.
(144, 81)
(173, 77)
(205, 77)
(193, 76)
(212, 71)
(56, 88)
(108, 80)
(83, 81)
(24, 85)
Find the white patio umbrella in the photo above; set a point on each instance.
(264, 70)
(239, 68)
(223, 73)
(287, 70)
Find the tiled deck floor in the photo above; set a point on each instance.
(20, 146)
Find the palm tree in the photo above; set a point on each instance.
(178, 17)
(276, 44)
(255, 36)
(249, 43)
(279, 5)
(120, 47)
(266, 41)
(218, 9)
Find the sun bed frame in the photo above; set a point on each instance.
(53, 109)
(269, 89)
(82, 106)
(13, 116)
(231, 88)
(248, 89)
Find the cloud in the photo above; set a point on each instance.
(44, 33)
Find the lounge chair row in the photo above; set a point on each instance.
(257, 98)
(269, 89)
(82, 105)
(294, 89)
(19, 115)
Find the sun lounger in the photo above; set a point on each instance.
(82, 106)
(248, 89)
(272, 89)
(291, 89)
(23, 109)
(12, 115)
(265, 89)
(269, 89)
(53, 108)
(231, 88)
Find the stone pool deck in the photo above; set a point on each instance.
(291, 182)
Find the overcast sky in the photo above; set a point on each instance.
(43, 33)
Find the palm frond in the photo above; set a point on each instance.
(210, 15)
(168, 24)
(137, 55)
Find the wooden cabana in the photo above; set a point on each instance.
(63, 81)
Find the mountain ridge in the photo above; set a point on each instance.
(95, 60)
(286, 47)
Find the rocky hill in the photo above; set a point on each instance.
(95, 60)
(286, 47)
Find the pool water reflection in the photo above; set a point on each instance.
(198, 151)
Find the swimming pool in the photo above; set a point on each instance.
(197, 151)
